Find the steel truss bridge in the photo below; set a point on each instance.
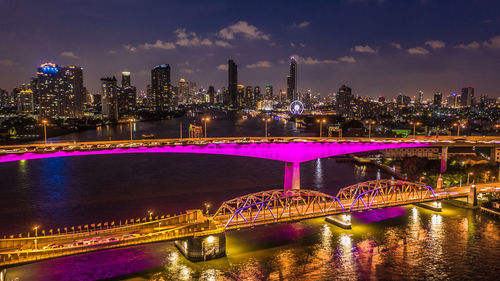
(256, 209)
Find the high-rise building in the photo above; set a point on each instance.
(60, 91)
(127, 97)
(232, 84)
(291, 91)
(467, 97)
(183, 91)
(269, 92)
(453, 100)
(438, 99)
(4, 98)
(211, 95)
(403, 100)
(161, 88)
(109, 98)
(344, 99)
(420, 99)
(240, 95)
(381, 99)
(249, 96)
(257, 95)
(25, 101)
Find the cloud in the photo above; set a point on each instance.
(260, 64)
(6, 62)
(158, 45)
(242, 27)
(190, 39)
(130, 48)
(364, 49)
(347, 59)
(396, 45)
(223, 44)
(435, 44)
(222, 67)
(302, 24)
(69, 55)
(186, 70)
(493, 43)
(111, 52)
(472, 45)
(310, 60)
(418, 51)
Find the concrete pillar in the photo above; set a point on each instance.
(3, 274)
(292, 175)
(342, 220)
(472, 197)
(203, 248)
(444, 158)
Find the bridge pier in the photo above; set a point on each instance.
(3, 274)
(342, 220)
(292, 175)
(203, 248)
(433, 206)
(444, 158)
(472, 197)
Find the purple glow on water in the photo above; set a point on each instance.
(288, 152)
(380, 214)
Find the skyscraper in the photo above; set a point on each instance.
(467, 97)
(420, 99)
(125, 79)
(126, 97)
(211, 95)
(109, 98)
(60, 91)
(257, 95)
(160, 87)
(232, 83)
(344, 99)
(438, 99)
(291, 91)
(269, 92)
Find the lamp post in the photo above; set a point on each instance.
(265, 121)
(207, 207)
(150, 215)
(370, 123)
(205, 119)
(36, 235)
(458, 127)
(45, 130)
(468, 175)
(131, 120)
(321, 126)
(415, 124)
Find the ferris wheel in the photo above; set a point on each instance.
(296, 107)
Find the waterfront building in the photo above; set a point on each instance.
(232, 86)
(161, 87)
(25, 102)
(291, 91)
(109, 98)
(344, 100)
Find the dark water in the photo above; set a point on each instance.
(396, 243)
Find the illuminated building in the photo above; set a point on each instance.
(160, 86)
(4, 98)
(60, 91)
(453, 100)
(126, 79)
(381, 99)
(344, 99)
(467, 97)
(109, 98)
(240, 94)
(403, 100)
(25, 102)
(249, 96)
(233, 98)
(291, 91)
(183, 92)
(211, 95)
(257, 95)
(269, 92)
(420, 98)
(126, 97)
(438, 99)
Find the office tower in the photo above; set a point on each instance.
(291, 91)
(420, 99)
(344, 99)
(453, 100)
(467, 97)
(403, 100)
(257, 95)
(269, 92)
(160, 87)
(438, 99)
(183, 91)
(282, 96)
(109, 98)
(60, 90)
(307, 99)
(248, 99)
(126, 79)
(240, 95)
(232, 83)
(225, 97)
(25, 101)
(211, 95)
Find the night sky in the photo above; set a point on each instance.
(383, 47)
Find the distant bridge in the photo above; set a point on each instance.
(291, 150)
(257, 209)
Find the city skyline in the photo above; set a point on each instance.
(396, 54)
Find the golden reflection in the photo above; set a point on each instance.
(347, 261)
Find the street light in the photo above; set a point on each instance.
(205, 119)
(45, 130)
(321, 125)
(468, 175)
(36, 234)
(415, 124)
(266, 120)
(131, 120)
(458, 127)
(150, 215)
(370, 123)
(207, 206)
